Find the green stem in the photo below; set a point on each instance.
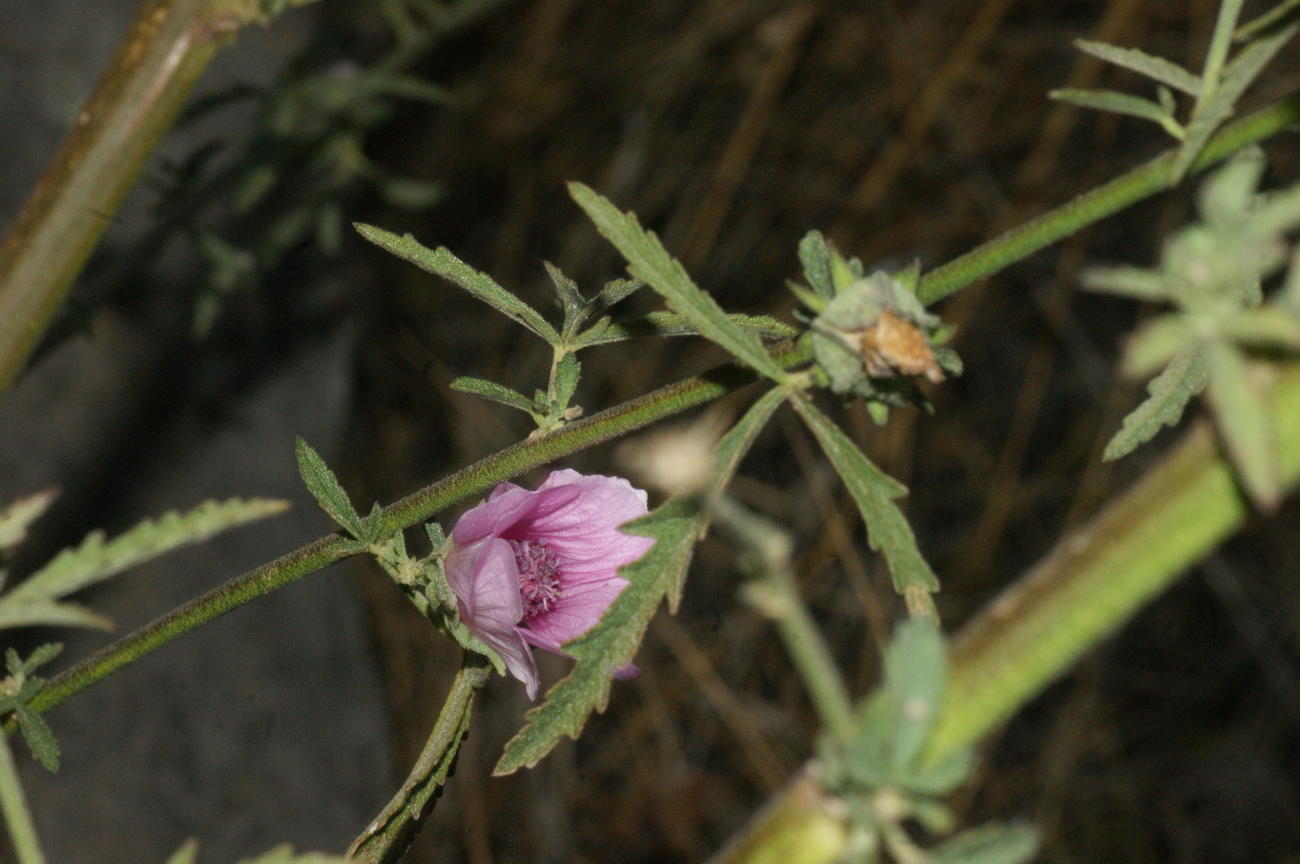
(166, 50)
(1106, 200)
(417, 507)
(389, 835)
(1094, 581)
(17, 817)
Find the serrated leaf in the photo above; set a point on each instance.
(672, 324)
(660, 574)
(916, 672)
(494, 392)
(988, 844)
(18, 516)
(1210, 114)
(39, 738)
(95, 560)
(1242, 416)
(1169, 392)
(650, 262)
(1120, 103)
(324, 486)
(1133, 282)
(188, 853)
(1157, 68)
(567, 373)
(872, 490)
(617, 291)
(441, 262)
(815, 256)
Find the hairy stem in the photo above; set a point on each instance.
(1106, 200)
(416, 507)
(387, 837)
(167, 48)
(18, 818)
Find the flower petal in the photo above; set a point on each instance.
(578, 609)
(485, 580)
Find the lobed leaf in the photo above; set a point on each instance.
(872, 490)
(676, 526)
(1169, 392)
(441, 262)
(1158, 68)
(95, 560)
(650, 262)
(324, 486)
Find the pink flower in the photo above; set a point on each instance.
(540, 568)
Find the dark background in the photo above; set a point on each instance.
(731, 127)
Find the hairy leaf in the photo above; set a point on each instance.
(15, 519)
(326, 489)
(39, 738)
(494, 392)
(1158, 68)
(95, 559)
(567, 374)
(1170, 391)
(441, 262)
(887, 529)
(815, 256)
(650, 262)
(676, 526)
(672, 324)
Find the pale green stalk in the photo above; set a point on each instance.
(18, 819)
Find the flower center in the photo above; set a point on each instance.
(539, 577)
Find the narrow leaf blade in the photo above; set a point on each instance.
(1169, 392)
(324, 486)
(1157, 68)
(650, 262)
(672, 324)
(441, 262)
(1116, 103)
(18, 516)
(494, 392)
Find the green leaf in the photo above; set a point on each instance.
(1158, 342)
(1219, 106)
(873, 491)
(441, 262)
(676, 526)
(916, 672)
(1131, 282)
(1120, 103)
(18, 516)
(1241, 413)
(671, 324)
(326, 489)
(988, 844)
(1226, 196)
(617, 291)
(1278, 16)
(940, 776)
(48, 613)
(1169, 392)
(1158, 68)
(815, 256)
(494, 392)
(567, 373)
(1266, 327)
(187, 854)
(284, 854)
(39, 738)
(650, 262)
(95, 560)
(571, 300)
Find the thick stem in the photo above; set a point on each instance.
(166, 50)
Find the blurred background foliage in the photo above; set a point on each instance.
(902, 130)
